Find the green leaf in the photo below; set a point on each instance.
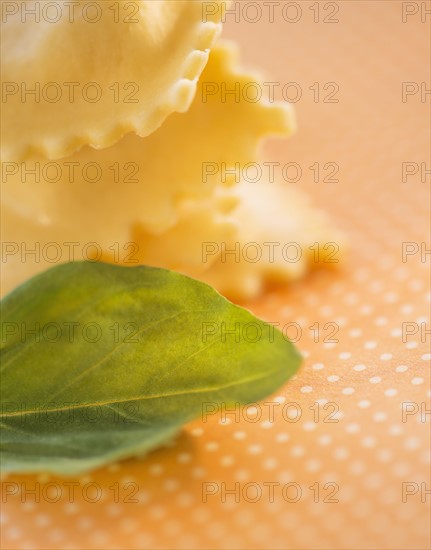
(101, 362)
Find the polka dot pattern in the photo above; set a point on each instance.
(326, 463)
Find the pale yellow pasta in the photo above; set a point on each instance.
(188, 204)
(140, 182)
(85, 73)
(281, 236)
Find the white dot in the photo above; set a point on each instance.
(412, 443)
(280, 399)
(417, 380)
(329, 345)
(384, 455)
(426, 356)
(239, 435)
(401, 469)
(85, 522)
(313, 465)
(172, 528)
(309, 426)
(225, 421)
(357, 467)
(415, 285)
(282, 437)
(364, 403)
(129, 525)
(401, 368)
(347, 391)
(200, 515)
(14, 533)
(227, 461)
(396, 429)
(390, 297)
(423, 319)
(380, 321)
(184, 458)
(326, 310)
(361, 274)
(29, 506)
(373, 481)
(396, 332)
(306, 389)
(324, 439)
(270, 464)
(411, 345)
(44, 478)
(336, 288)
(370, 344)
(379, 416)
(359, 368)
(386, 356)
(196, 432)
(345, 355)
(337, 416)
(333, 378)
(212, 446)
(351, 298)
(114, 510)
(266, 424)
(155, 469)
(318, 366)
(401, 272)
(368, 441)
(391, 392)
(297, 451)
(322, 401)
(376, 286)
(375, 379)
(197, 471)
(255, 449)
(42, 520)
(355, 333)
(242, 475)
(352, 428)
(341, 453)
(426, 457)
(170, 484)
(157, 512)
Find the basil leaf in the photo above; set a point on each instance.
(101, 362)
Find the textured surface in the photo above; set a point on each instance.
(369, 373)
(152, 78)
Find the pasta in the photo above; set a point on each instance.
(178, 198)
(92, 76)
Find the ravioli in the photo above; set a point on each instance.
(87, 74)
(126, 178)
(162, 201)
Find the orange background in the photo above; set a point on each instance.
(368, 374)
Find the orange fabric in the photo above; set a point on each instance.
(368, 374)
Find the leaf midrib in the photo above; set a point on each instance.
(139, 398)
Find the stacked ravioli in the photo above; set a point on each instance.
(119, 145)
